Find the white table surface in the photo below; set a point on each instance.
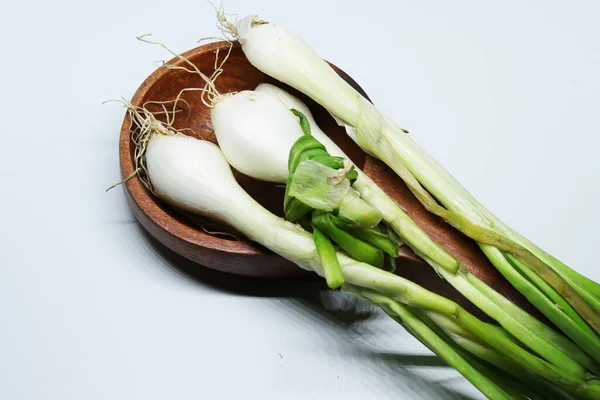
(506, 96)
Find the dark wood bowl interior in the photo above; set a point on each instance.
(188, 235)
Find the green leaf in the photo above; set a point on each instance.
(312, 185)
(356, 248)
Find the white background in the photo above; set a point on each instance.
(505, 95)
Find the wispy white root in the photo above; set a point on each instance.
(209, 93)
(144, 126)
(226, 23)
(144, 123)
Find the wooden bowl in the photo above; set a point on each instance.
(188, 235)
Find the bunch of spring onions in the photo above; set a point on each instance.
(193, 175)
(568, 299)
(272, 122)
(270, 135)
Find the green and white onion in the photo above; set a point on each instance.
(193, 175)
(526, 328)
(271, 135)
(569, 300)
(561, 352)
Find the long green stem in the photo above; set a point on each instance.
(547, 343)
(585, 287)
(524, 327)
(298, 246)
(554, 306)
(550, 346)
(503, 372)
(529, 384)
(432, 340)
(359, 250)
(546, 289)
(418, 169)
(371, 236)
(403, 225)
(329, 261)
(302, 68)
(406, 292)
(520, 324)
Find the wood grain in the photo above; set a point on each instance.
(187, 235)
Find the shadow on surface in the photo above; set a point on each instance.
(230, 283)
(340, 314)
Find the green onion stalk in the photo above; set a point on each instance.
(457, 333)
(516, 380)
(536, 335)
(193, 175)
(438, 332)
(319, 189)
(570, 300)
(264, 115)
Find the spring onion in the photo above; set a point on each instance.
(569, 300)
(537, 336)
(194, 176)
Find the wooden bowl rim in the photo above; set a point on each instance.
(144, 200)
